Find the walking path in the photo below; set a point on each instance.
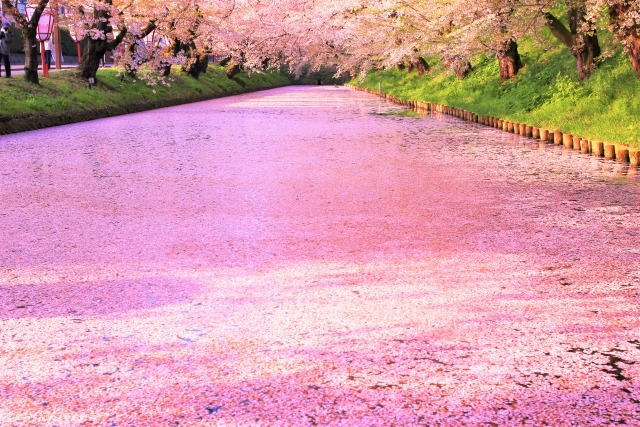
(18, 69)
(305, 256)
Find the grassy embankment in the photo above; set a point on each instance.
(546, 93)
(64, 98)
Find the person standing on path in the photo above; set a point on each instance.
(5, 49)
(48, 47)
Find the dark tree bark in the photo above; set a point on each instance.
(417, 63)
(460, 67)
(197, 63)
(420, 65)
(224, 61)
(94, 52)
(583, 46)
(233, 68)
(30, 45)
(95, 49)
(629, 35)
(508, 59)
(28, 29)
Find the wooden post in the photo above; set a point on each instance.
(544, 135)
(622, 154)
(584, 146)
(535, 132)
(609, 151)
(597, 148)
(576, 142)
(557, 137)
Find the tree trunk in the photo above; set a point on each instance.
(460, 67)
(30, 46)
(93, 53)
(130, 69)
(28, 29)
(620, 12)
(583, 46)
(233, 68)
(633, 49)
(170, 51)
(585, 49)
(508, 59)
(94, 49)
(197, 65)
(420, 65)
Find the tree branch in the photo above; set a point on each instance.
(559, 31)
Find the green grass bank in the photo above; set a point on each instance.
(64, 98)
(545, 93)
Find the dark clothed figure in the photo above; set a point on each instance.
(5, 49)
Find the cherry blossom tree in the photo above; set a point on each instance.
(581, 36)
(99, 20)
(625, 25)
(353, 36)
(29, 29)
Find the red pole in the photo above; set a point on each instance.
(79, 52)
(45, 69)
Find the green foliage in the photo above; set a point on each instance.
(545, 93)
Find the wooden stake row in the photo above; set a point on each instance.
(618, 152)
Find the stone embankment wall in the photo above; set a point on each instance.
(618, 152)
